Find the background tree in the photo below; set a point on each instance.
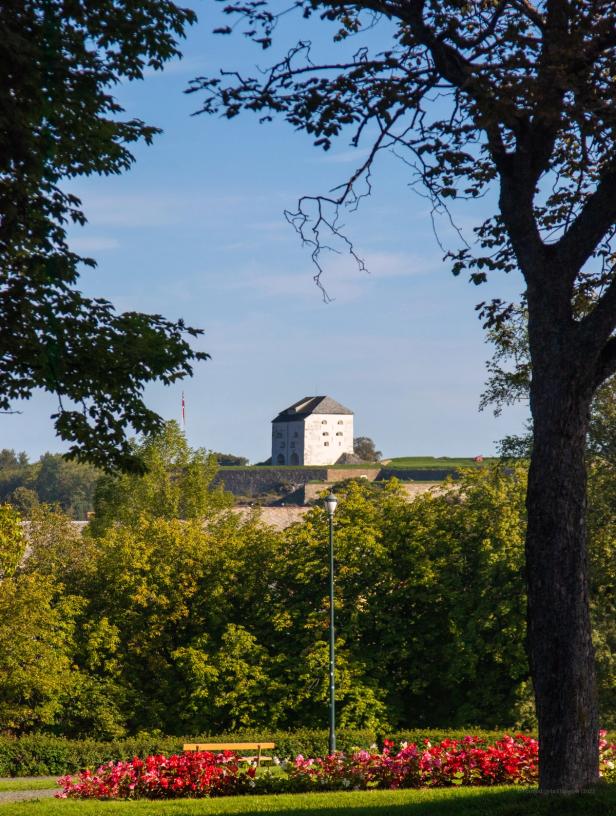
(51, 480)
(168, 601)
(602, 551)
(521, 95)
(602, 429)
(59, 120)
(90, 701)
(364, 447)
(228, 459)
(35, 637)
(429, 601)
(215, 623)
(509, 382)
(15, 472)
(10, 459)
(177, 484)
(24, 500)
(69, 484)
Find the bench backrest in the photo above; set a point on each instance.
(227, 746)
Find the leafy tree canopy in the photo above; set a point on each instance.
(177, 484)
(59, 120)
(364, 447)
(51, 480)
(10, 459)
(35, 637)
(193, 626)
(229, 459)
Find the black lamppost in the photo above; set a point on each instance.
(330, 504)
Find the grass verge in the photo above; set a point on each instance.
(434, 462)
(448, 802)
(19, 784)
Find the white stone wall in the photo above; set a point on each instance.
(327, 437)
(288, 443)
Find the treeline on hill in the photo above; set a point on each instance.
(56, 480)
(51, 480)
(173, 615)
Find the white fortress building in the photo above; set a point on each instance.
(313, 431)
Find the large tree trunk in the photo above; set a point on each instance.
(559, 632)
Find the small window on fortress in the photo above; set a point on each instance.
(339, 433)
(325, 433)
(340, 422)
(294, 433)
(323, 422)
(326, 444)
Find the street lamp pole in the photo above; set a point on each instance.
(330, 504)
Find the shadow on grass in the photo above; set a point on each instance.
(461, 803)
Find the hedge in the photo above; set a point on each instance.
(41, 754)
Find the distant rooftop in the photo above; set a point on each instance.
(311, 405)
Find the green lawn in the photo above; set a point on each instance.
(19, 784)
(429, 462)
(449, 802)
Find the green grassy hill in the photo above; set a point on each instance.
(436, 463)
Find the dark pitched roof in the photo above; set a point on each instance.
(311, 405)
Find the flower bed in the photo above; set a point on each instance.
(194, 774)
(467, 761)
(510, 761)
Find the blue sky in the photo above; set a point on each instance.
(196, 230)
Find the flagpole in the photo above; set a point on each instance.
(183, 413)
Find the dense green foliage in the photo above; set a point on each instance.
(364, 447)
(59, 120)
(229, 459)
(177, 484)
(174, 615)
(51, 480)
(42, 754)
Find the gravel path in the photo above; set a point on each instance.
(24, 795)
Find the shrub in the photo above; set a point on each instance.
(40, 754)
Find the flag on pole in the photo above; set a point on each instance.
(183, 412)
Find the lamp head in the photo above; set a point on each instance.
(330, 504)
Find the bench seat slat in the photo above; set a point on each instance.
(227, 746)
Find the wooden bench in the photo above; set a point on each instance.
(235, 746)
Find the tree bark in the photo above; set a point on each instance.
(559, 630)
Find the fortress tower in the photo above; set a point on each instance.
(313, 431)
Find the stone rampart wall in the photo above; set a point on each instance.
(340, 474)
(416, 474)
(257, 481)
